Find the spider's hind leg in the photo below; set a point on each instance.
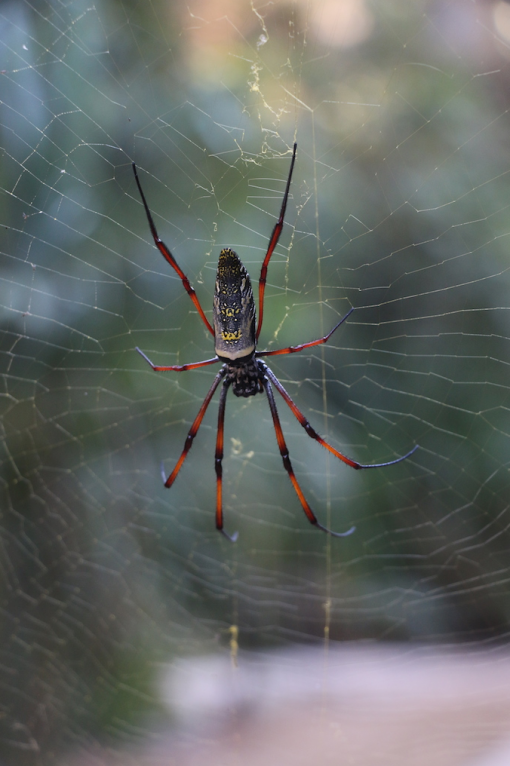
(312, 433)
(194, 429)
(218, 464)
(284, 452)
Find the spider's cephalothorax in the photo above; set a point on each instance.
(235, 341)
(234, 325)
(246, 377)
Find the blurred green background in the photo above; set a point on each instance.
(399, 208)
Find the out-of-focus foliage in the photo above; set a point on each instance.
(399, 208)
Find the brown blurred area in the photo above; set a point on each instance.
(353, 704)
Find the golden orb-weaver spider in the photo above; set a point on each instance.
(235, 345)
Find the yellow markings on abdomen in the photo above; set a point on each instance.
(232, 335)
(229, 312)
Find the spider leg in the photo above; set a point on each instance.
(177, 367)
(284, 452)
(293, 349)
(314, 435)
(273, 241)
(194, 428)
(167, 255)
(218, 457)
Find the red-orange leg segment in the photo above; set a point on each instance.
(293, 349)
(218, 458)
(167, 255)
(177, 367)
(194, 428)
(314, 435)
(288, 466)
(273, 241)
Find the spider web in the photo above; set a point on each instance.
(399, 208)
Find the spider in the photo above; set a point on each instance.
(235, 336)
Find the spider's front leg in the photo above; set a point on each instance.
(167, 255)
(273, 241)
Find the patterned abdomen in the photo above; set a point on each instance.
(233, 309)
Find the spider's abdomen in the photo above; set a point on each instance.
(233, 309)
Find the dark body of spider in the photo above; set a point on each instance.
(236, 334)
